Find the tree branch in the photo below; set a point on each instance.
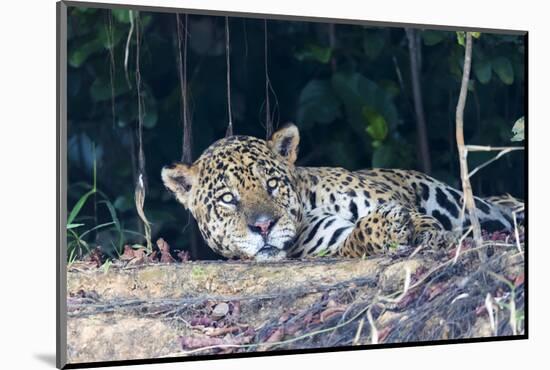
(462, 151)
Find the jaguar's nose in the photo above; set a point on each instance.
(262, 224)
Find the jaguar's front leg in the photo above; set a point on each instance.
(386, 228)
(323, 234)
(429, 232)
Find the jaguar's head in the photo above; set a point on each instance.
(242, 192)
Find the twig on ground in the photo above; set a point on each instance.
(512, 304)
(516, 231)
(324, 261)
(373, 330)
(459, 297)
(513, 319)
(141, 305)
(417, 250)
(490, 309)
(459, 245)
(358, 332)
(288, 341)
(406, 286)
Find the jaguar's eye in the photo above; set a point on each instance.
(227, 198)
(272, 183)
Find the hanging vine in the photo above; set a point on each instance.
(109, 32)
(415, 57)
(139, 194)
(187, 135)
(127, 48)
(271, 111)
(229, 131)
(268, 120)
(187, 139)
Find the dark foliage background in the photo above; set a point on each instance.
(347, 87)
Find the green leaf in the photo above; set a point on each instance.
(519, 130)
(73, 226)
(150, 117)
(317, 104)
(391, 154)
(316, 53)
(106, 265)
(373, 44)
(78, 206)
(503, 69)
(460, 37)
(116, 222)
(476, 35)
(123, 15)
(323, 253)
(377, 126)
(124, 203)
(132, 232)
(80, 203)
(341, 153)
(483, 71)
(390, 87)
(109, 38)
(77, 56)
(431, 38)
(101, 89)
(382, 157)
(101, 226)
(358, 92)
(83, 10)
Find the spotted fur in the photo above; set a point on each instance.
(251, 201)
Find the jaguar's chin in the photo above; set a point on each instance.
(270, 253)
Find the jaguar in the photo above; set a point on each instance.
(251, 201)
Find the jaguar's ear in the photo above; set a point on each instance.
(180, 179)
(285, 142)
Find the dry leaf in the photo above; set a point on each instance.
(152, 258)
(164, 247)
(198, 342)
(383, 334)
(236, 309)
(436, 289)
(292, 329)
(519, 280)
(139, 258)
(128, 253)
(331, 312)
(216, 332)
(275, 337)
(201, 321)
(96, 257)
(183, 256)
